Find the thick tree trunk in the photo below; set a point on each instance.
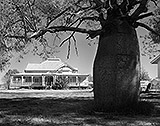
(116, 67)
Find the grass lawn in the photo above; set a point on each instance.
(68, 108)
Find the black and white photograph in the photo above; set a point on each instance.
(79, 62)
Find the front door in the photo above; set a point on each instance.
(48, 80)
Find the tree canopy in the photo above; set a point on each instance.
(24, 24)
(7, 76)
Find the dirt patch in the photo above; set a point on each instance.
(66, 108)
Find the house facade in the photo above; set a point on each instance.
(49, 73)
(156, 60)
(156, 82)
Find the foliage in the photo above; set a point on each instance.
(144, 75)
(27, 25)
(7, 76)
(61, 83)
(151, 42)
(90, 78)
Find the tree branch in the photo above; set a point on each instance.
(99, 6)
(71, 36)
(75, 45)
(11, 24)
(22, 16)
(33, 16)
(98, 3)
(92, 33)
(132, 4)
(58, 15)
(154, 1)
(69, 48)
(61, 13)
(145, 15)
(94, 18)
(142, 8)
(14, 36)
(147, 27)
(54, 29)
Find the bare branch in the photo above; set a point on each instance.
(61, 13)
(54, 29)
(92, 33)
(147, 27)
(31, 11)
(142, 8)
(154, 1)
(98, 3)
(94, 18)
(23, 20)
(38, 33)
(132, 3)
(14, 36)
(75, 45)
(57, 16)
(9, 25)
(72, 35)
(63, 28)
(99, 6)
(67, 39)
(69, 49)
(145, 15)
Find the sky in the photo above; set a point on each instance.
(84, 61)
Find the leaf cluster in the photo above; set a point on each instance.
(8, 74)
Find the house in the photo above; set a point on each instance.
(156, 82)
(47, 74)
(156, 60)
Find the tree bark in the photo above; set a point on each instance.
(117, 67)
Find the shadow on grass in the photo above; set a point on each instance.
(67, 111)
(45, 106)
(44, 111)
(57, 106)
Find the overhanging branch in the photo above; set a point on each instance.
(132, 3)
(94, 18)
(145, 15)
(92, 33)
(61, 13)
(14, 36)
(54, 29)
(147, 27)
(142, 8)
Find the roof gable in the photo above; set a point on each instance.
(51, 64)
(156, 59)
(67, 67)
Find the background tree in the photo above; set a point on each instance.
(144, 75)
(90, 78)
(151, 46)
(116, 68)
(61, 83)
(7, 76)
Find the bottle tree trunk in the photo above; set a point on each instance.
(117, 67)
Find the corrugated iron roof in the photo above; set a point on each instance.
(156, 59)
(51, 64)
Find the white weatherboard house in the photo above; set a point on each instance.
(156, 82)
(46, 74)
(156, 60)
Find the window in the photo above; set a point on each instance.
(37, 79)
(28, 79)
(72, 79)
